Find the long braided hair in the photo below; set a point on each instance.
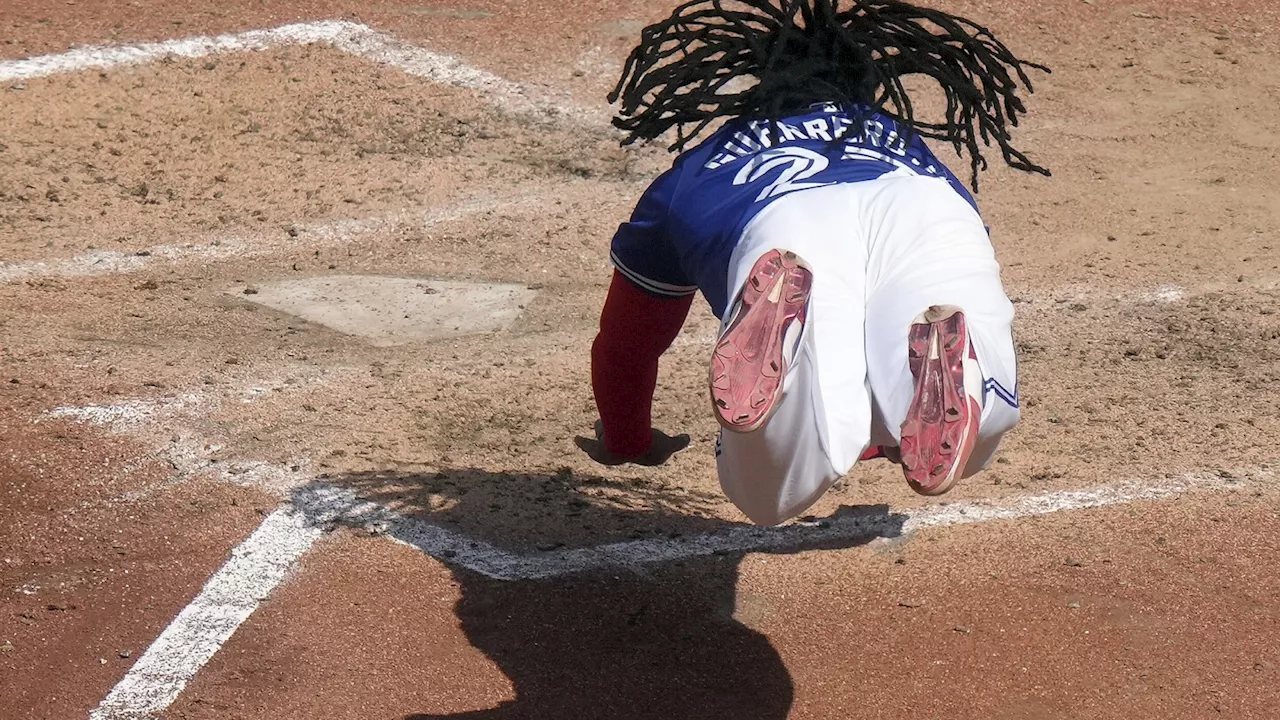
(853, 53)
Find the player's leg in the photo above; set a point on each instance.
(788, 375)
(940, 352)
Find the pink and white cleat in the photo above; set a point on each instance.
(942, 421)
(753, 353)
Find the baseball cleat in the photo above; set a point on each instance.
(942, 421)
(875, 452)
(757, 346)
(881, 452)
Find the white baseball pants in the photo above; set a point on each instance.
(881, 252)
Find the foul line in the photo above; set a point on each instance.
(262, 561)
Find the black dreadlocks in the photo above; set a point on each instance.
(854, 53)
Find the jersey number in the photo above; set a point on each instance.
(797, 164)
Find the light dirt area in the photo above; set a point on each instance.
(224, 277)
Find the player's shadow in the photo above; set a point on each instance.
(661, 640)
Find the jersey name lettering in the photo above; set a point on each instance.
(878, 138)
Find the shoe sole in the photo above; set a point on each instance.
(748, 365)
(942, 421)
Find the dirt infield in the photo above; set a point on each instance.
(163, 416)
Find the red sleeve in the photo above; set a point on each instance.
(636, 328)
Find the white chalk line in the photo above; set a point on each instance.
(171, 420)
(1163, 294)
(457, 549)
(128, 413)
(241, 245)
(352, 38)
(417, 61)
(106, 57)
(231, 595)
(262, 561)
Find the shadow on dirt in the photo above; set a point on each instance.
(652, 639)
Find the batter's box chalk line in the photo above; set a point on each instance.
(239, 245)
(350, 37)
(329, 505)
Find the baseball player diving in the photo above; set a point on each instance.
(863, 314)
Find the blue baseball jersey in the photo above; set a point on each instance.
(688, 222)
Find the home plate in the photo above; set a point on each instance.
(389, 311)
